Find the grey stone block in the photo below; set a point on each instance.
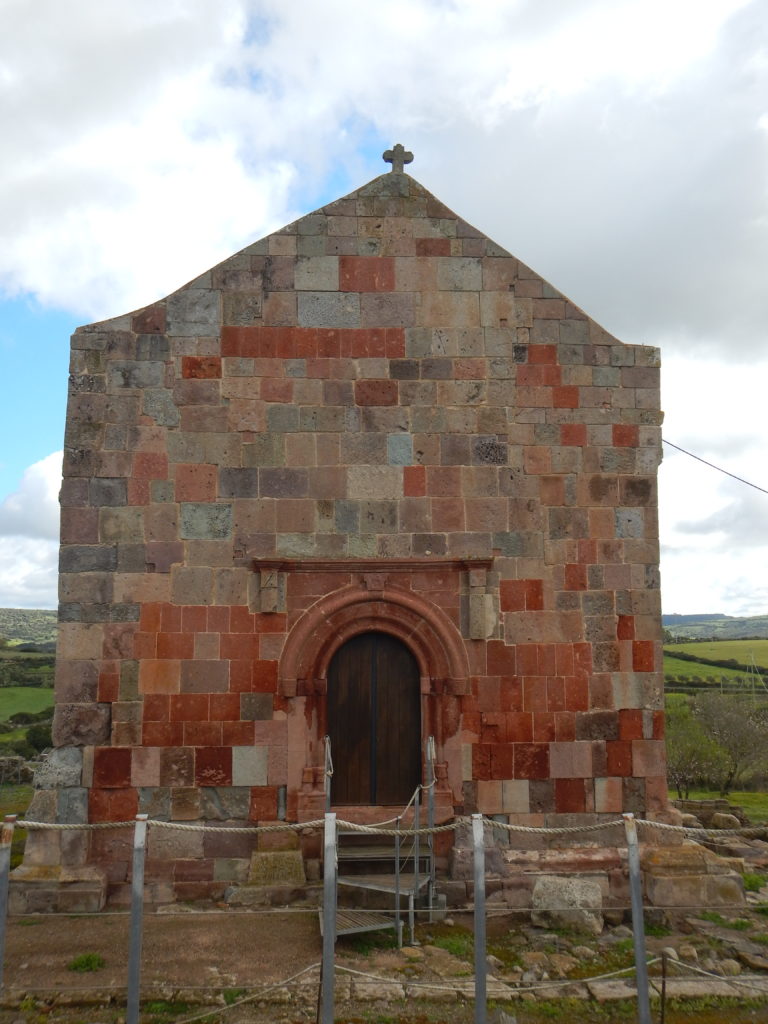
(131, 373)
(400, 449)
(256, 707)
(63, 766)
(107, 491)
(225, 803)
(81, 725)
(205, 521)
(250, 765)
(152, 347)
(87, 558)
(282, 418)
(72, 805)
(239, 483)
(193, 311)
(329, 309)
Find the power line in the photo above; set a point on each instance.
(713, 466)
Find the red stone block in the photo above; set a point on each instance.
(544, 730)
(202, 734)
(108, 686)
(575, 576)
(175, 645)
(239, 646)
(528, 659)
(111, 767)
(552, 490)
(395, 343)
(195, 482)
(156, 707)
(625, 435)
(213, 766)
(659, 724)
(565, 726)
(481, 761)
(150, 320)
(556, 693)
(510, 693)
(519, 727)
(225, 707)
(264, 676)
(534, 693)
(582, 657)
(531, 761)
(198, 870)
(263, 803)
(542, 354)
(276, 389)
(512, 594)
(112, 804)
(150, 466)
(564, 660)
(194, 619)
(630, 724)
(366, 274)
(546, 659)
(502, 760)
(376, 392)
(566, 396)
(159, 676)
(444, 481)
(534, 595)
(145, 646)
(577, 693)
(328, 343)
(162, 734)
(414, 481)
(433, 247)
(189, 707)
(218, 620)
(643, 656)
(138, 492)
(240, 619)
(170, 618)
(240, 676)
(538, 376)
(470, 369)
(619, 756)
(587, 550)
(573, 434)
(500, 658)
(270, 623)
(200, 367)
(625, 627)
(570, 796)
(237, 734)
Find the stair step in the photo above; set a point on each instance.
(350, 922)
(385, 883)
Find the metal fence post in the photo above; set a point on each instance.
(6, 838)
(137, 919)
(638, 924)
(329, 917)
(481, 986)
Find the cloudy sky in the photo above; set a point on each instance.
(620, 147)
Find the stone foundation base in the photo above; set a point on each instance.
(48, 889)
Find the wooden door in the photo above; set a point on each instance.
(374, 721)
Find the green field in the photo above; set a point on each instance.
(718, 650)
(675, 667)
(14, 699)
(754, 805)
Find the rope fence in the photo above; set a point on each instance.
(477, 826)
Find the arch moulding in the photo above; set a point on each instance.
(434, 640)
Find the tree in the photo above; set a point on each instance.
(739, 729)
(692, 756)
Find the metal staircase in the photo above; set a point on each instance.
(381, 877)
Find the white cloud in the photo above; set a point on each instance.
(29, 538)
(32, 511)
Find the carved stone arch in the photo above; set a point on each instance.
(434, 640)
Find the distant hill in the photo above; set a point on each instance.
(716, 626)
(28, 625)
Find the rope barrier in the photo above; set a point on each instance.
(377, 829)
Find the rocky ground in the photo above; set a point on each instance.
(231, 965)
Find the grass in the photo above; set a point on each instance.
(754, 804)
(753, 882)
(740, 650)
(86, 962)
(688, 669)
(738, 924)
(14, 699)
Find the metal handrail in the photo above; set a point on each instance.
(327, 772)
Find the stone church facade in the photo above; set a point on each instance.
(372, 478)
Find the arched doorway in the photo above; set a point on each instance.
(374, 721)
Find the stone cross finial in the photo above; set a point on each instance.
(397, 156)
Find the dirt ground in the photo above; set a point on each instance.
(210, 963)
